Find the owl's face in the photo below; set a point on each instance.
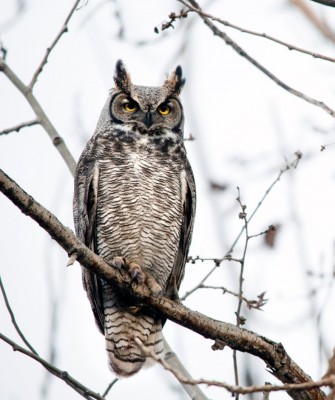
(150, 115)
(148, 109)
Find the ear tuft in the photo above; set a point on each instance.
(175, 82)
(122, 78)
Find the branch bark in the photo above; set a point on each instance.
(273, 354)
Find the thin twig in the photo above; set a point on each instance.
(259, 34)
(18, 127)
(57, 140)
(255, 304)
(63, 375)
(320, 24)
(239, 319)
(52, 46)
(109, 387)
(32, 353)
(193, 5)
(170, 357)
(227, 256)
(12, 316)
(235, 389)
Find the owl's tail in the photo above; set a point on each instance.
(121, 327)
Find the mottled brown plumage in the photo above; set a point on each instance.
(134, 205)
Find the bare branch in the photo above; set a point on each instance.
(63, 375)
(57, 140)
(193, 5)
(255, 304)
(194, 392)
(329, 381)
(249, 32)
(18, 127)
(32, 353)
(53, 44)
(109, 387)
(12, 316)
(320, 24)
(273, 354)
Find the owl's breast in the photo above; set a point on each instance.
(139, 210)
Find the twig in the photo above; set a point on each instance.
(288, 166)
(12, 316)
(227, 256)
(109, 387)
(18, 127)
(77, 386)
(193, 5)
(63, 375)
(255, 304)
(57, 140)
(259, 34)
(194, 392)
(51, 47)
(321, 25)
(198, 285)
(273, 354)
(235, 389)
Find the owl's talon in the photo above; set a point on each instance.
(136, 273)
(118, 262)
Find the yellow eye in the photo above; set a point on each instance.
(164, 109)
(130, 106)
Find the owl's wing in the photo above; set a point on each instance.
(189, 206)
(84, 210)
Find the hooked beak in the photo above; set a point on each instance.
(148, 119)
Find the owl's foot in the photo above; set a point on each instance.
(137, 274)
(154, 286)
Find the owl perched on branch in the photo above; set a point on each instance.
(134, 205)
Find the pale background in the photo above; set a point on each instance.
(245, 126)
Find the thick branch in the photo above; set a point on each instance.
(273, 354)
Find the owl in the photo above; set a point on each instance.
(134, 206)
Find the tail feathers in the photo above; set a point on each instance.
(121, 327)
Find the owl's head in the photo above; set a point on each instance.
(146, 107)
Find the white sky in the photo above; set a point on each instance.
(245, 127)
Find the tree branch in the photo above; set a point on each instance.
(65, 376)
(53, 44)
(273, 354)
(193, 5)
(248, 31)
(234, 389)
(41, 117)
(319, 23)
(18, 127)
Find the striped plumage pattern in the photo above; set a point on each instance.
(135, 198)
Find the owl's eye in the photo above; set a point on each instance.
(130, 106)
(164, 109)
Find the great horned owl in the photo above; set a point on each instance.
(134, 205)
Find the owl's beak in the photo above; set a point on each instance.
(148, 119)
